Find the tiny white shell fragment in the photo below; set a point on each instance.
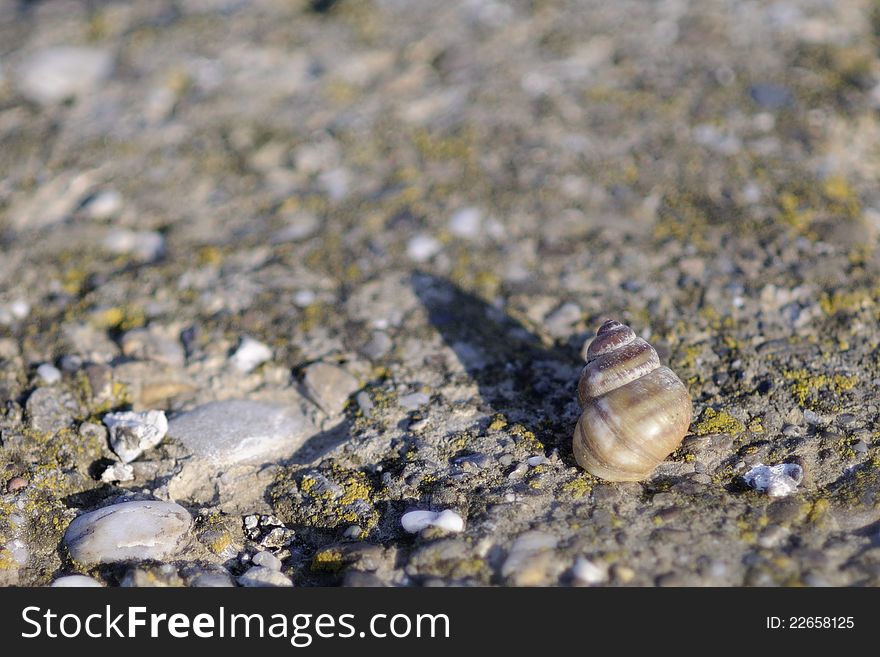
(415, 521)
(777, 480)
(250, 354)
(131, 433)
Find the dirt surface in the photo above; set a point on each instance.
(423, 209)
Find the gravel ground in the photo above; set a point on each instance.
(352, 250)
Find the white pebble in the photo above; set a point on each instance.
(49, 373)
(267, 560)
(117, 472)
(415, 521)
(465, 223)
(128, 530)
(260, 576)
(422, 248)
(104, 204)
(414, 401)
(537, 460)
(777, 480)
(75, 581)
(585, 571)
(304, 298)
(145, 245)
(20, 308)
(250, 354)
(55, 74)
(131, 433)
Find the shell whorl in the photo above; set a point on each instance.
(636, 411)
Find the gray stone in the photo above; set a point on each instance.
(267, 560)
(49, 373)
(50, 409)
(241, 431)
(128, 531)
(329, 386)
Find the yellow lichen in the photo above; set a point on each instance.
(712, 421)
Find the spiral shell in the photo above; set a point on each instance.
(635, 410)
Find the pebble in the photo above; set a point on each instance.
(364, 402)
(531, 559)
(771, 96)
(132, 433)
(267, 560)
(212, 580)
(53, 75)
(378, 345)
(103, 205)
(117, 472)
(812, 417)
(777, 480)
(536, 460)
(14, 311)
(154, 343)
(448, 520)
(143, 245)
(250, 354)
(50, 410)
(16, 484)
(76, 581)
(299, 227)
(585, 571)
(414, 401)
(128, 530)
(238, 431)
(422, 248)
(329, 386)
(260, 576)
(465, 223)
(49, 373)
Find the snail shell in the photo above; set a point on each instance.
(636, 411)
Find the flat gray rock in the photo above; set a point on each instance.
(241, 431)
(128, 531)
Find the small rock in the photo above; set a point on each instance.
(586, 572)
(329, 386)
(132, 433)
(531, 560)
(448, 520)
(153, 343)
(771, 96)
(18, 550)
(117, 472)
(422, 248)
(76, 581)
(250, 354)
(53, 75)
(378, 346)
(267, 560)
(16, 484)
(465, 223)
(49, 373)
(559, 323)
(777, 480)
(128, 530)
(812, 417)
(50, 410)
(211, 580)
(143, 245)
(298, 227)
(260, 576)
(14, 311)
(414, 401)
(238, 431)
(103, 205)
(536, 460)
(364, 402)
(304, 298)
